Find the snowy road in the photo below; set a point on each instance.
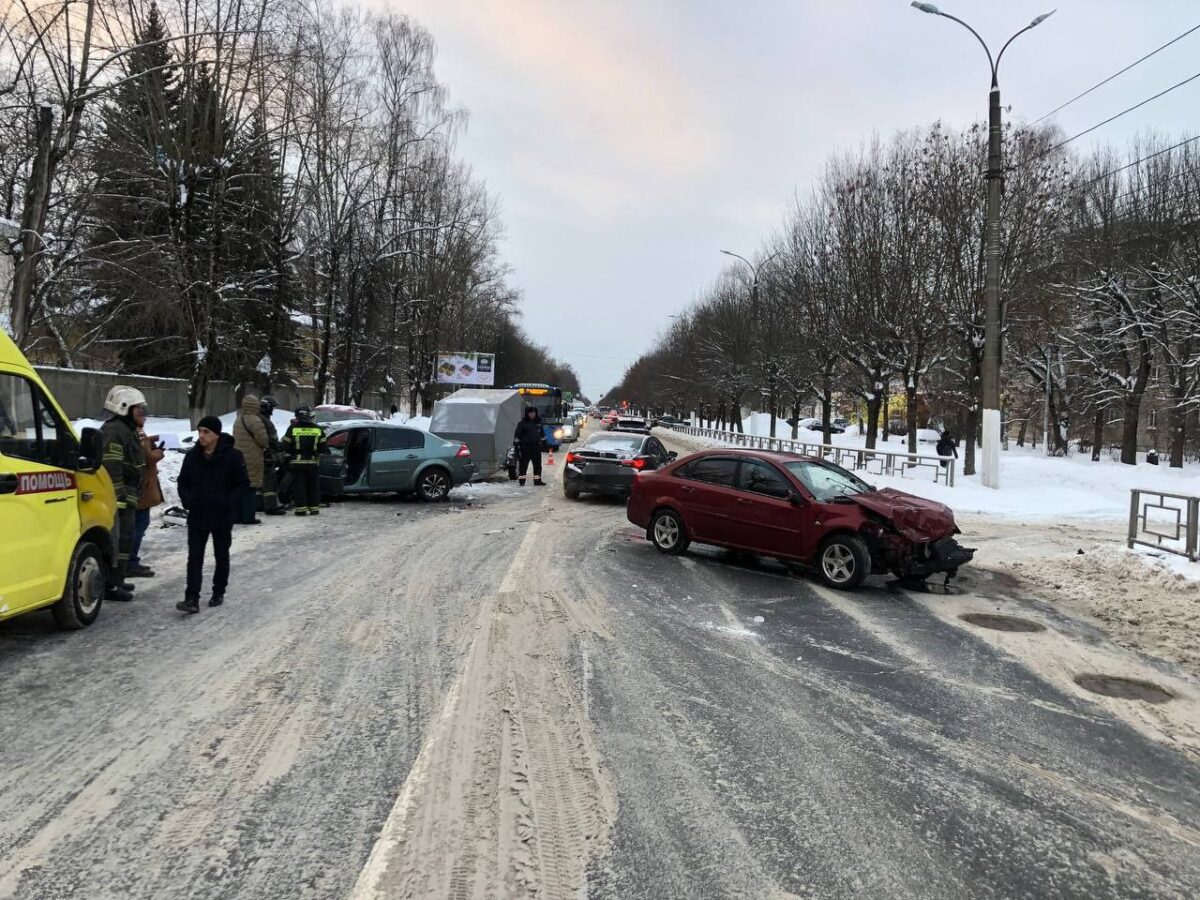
(518, 697)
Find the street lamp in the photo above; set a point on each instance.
(754, 270)
(989, 470)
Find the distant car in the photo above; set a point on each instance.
(608, 462)
(802, 510)
(842, 423)
(366, 457)
(336, 412)
(813, 424)
(631, 424)
(669, 421)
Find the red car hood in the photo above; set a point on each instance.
(914, 517)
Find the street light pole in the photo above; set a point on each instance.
(989, 470)
(754, 270)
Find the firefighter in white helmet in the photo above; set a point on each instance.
(124, 461)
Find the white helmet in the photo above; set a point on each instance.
(123, 398)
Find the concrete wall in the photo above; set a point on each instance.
(82, 392)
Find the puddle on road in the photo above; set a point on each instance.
(1124, 688)
(1002, 623)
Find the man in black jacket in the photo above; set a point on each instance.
(528, 440)
(211, 484)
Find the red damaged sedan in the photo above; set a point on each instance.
(799, 509)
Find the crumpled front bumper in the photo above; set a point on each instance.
(945, 555)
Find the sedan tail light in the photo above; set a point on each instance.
(572, 457)
(463, 450)
(638, 462)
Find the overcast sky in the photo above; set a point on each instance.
(629, 141)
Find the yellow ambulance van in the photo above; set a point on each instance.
(57, 505)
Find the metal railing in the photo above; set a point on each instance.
(900, 464)
(1169, 522)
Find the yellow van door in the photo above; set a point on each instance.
(39, 518)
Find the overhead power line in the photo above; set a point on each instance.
(1138, 162)
(1123, 112)
(1101, 84)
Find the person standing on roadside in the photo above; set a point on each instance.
(151, 495)
(270, 480)
(946, 447)
(124, 460)
(212, 483)
(304, 442)
(251, 439)
(528, 440)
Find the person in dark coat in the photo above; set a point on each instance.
(528, 441)
(947, 447)
(212, 483)
(270, 484)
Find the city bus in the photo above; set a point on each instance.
(548, 401)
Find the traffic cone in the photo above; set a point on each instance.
(550, 461)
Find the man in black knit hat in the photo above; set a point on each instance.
(211, 484)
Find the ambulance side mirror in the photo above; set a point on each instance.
(91, 450)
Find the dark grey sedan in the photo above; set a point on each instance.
(608, 462)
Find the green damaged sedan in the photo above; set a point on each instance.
(368, 457)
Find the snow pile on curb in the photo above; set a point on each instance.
(1146, 600)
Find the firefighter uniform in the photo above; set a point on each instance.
(304, 442)
(124, 460)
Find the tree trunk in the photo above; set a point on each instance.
(735, 415)
(910, 400)
(1132, 408)
(326, 348)
(968, 437)
(874, 403)
(773, 402)
(884, 416)
(33, 224)
(1097, 435)
(1021, 432)
(1177, 425)
(826, 408)
(795, 417)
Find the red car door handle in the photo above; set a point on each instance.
(688, 490)
(744, 501)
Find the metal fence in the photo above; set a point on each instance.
(1169, 522)
(874, 462)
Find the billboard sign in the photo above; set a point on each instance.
(465, 368)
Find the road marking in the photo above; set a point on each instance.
(369, 883)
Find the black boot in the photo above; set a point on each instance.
(189, 605)
(216, 600)
(539, 483)
(140, 571)
(118, 594)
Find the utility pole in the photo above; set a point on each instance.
(754, 270)
(989, 470)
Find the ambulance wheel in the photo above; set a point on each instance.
(84, 591)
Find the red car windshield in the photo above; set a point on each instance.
(827, 482)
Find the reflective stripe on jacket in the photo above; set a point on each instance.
(123, 459)
(304, 442)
